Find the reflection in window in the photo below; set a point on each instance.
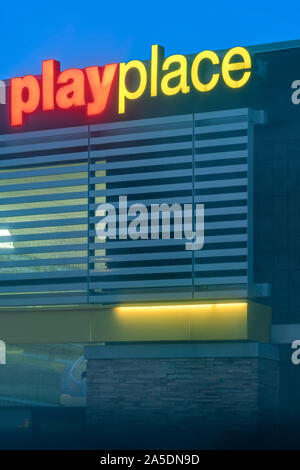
(5, 244)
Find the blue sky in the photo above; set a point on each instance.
(95, 32)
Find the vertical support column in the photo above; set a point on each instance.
(254, 117)
(193, 206)
(91, 213)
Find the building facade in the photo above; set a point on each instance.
(175, 332)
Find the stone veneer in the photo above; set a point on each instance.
(233, 385)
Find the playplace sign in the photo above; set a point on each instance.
(91, 88)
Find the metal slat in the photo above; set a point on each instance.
(44, 210)
(221, 142)
(111, 245)
(46, 249)
(143, 189)
(29, 173)
(170, 269)
(162, 134)
(222, 211)
(214, 128)
(142, 149)
(143, 283)
(203, 157)
(240, 112)
(205, 198)
(80, 286)
(34, 147)
(44, 262)
(203, 281)
(184, 118)
(142, 176)
(117, 258)
(44, 159)
(34, 300)
(45, 197)
(221, 183)
(135, 297)
(45, 134)
(214, 295)
(218, 170)
(49, 223)
(158, 161)
(49, 184)
(43, 275)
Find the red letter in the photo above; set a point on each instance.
(71, 94)
(18, 105)
(51, 69)
(100, 88)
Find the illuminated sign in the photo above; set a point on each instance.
(90, 88)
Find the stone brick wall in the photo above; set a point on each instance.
(238, 392)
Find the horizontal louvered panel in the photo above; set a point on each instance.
(48, 201)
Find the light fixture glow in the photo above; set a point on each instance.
(178, 306)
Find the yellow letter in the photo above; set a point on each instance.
(180, 72)
(212, 56)
(157, 55)
(123, 91)
(227, 67)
